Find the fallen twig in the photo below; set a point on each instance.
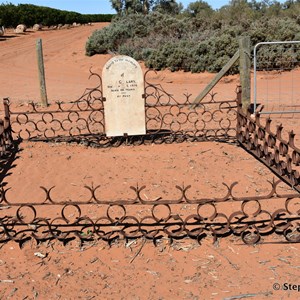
(6, 281)
(139, 251)
(230, 262)
(247, 296)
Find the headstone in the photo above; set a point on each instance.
(37, 27)
(123, 89)
(20, 28)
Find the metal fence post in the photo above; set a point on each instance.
(39, 50)
(245, 71)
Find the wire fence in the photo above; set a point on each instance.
(276, 77)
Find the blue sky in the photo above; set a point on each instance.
(95, 6)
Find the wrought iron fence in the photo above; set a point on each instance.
(6, 140)
(167, 119)
(250, 218)
(279, 154)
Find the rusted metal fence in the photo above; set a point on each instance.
(250, 218)
(281, 155)
(6, 139)
(167, 119)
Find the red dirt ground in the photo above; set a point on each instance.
(139, 270)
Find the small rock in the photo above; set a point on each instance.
(40, 255)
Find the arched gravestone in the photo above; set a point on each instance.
(123, 89)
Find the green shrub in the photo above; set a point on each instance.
(108, 39)
(199, 39)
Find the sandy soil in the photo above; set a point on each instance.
(138, 270)
(67, 67)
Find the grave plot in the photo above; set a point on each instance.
(152, 190)
(168, 186)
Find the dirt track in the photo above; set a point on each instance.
(183, 270)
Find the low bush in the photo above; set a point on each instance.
(164, 41)
(199, 38)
